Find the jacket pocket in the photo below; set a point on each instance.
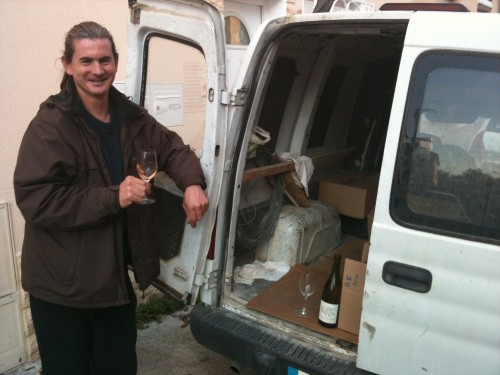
(70, 276)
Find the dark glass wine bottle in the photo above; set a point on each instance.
(330, 298)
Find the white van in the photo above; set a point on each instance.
(408, 100)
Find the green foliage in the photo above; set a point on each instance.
(154, 309)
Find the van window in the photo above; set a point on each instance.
(447, 176)
(174, 91)
(175, 87)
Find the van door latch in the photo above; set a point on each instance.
(406, 276)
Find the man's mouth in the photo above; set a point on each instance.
(98, 81)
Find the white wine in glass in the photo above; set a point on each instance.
(147, 168)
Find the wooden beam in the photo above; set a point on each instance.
(328, 157)
(270, 170)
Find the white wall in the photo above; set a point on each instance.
(31, 42)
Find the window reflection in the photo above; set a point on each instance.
(448, 175)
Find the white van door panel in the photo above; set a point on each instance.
(181, 44)
(456, 322)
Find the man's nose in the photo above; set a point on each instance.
(96, 68)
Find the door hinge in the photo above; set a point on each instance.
(135, 14)
(237, 98)
(206, 281)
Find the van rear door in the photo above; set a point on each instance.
(432, 293)
(176, 70)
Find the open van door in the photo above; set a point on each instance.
(176, 69)
(432, 292)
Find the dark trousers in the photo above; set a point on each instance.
(97, 341)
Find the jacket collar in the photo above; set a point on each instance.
(69, 101)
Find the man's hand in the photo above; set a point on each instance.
(132, 190)
(195, 204)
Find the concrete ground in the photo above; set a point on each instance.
(169, 348)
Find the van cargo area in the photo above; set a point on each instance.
(327, 96)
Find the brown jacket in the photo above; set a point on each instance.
(73, 250)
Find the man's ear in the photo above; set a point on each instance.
(67, 66)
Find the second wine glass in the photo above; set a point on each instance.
(147, 168)
(306, 288)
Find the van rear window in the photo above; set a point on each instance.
(447, 176)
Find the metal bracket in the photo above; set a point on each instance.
(135, 14)
(239, 98)
(225, 98)
(207, 281)
(234, 99)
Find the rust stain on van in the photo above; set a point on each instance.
(371, 329)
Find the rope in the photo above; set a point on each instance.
(256, 225)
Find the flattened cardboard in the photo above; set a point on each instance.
(283, 297)
(352, 193)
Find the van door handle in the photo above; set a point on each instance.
(406, 276)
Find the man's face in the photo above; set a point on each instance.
(93, 68)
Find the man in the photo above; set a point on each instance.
(75, 186)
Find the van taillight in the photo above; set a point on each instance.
(454, 7)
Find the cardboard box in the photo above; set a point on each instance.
(353, 284)
(350, 250)
(364, 253)
(369, 221)
(352, 193)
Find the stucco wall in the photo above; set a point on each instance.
(31, 40)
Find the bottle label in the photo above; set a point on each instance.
(328, 312)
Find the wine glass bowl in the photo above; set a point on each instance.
(307, 289)
(146, 168)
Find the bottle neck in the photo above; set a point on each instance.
(336, 270)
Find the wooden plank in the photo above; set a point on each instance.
(327, 157)
(270, 170)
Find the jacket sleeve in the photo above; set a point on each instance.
(51, 182)
(178, 160)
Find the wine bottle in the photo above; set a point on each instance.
(330, 298)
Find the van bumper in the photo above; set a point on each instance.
(261, 348)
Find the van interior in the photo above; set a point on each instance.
(327, 96)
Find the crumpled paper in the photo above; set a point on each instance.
(269, 270)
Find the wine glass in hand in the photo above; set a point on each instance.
(307, 288)
(147, 168)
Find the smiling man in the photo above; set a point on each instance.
(76, 186)
(93, 67)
